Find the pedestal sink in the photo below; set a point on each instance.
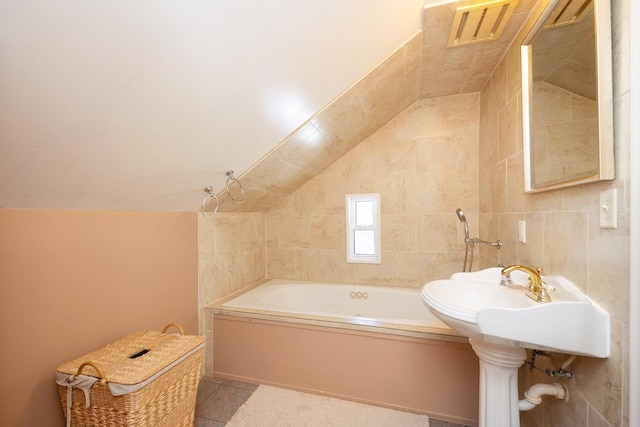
(501, 321)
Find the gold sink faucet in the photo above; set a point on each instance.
(537, 290)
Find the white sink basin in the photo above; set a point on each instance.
(476, 305)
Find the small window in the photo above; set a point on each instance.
(363, 228)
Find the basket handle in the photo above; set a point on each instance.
(103, 379)
(173, 324)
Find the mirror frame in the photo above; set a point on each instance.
(606, 163)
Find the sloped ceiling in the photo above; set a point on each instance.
(140, 105)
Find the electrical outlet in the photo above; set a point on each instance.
(522, 231)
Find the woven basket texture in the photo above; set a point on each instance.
(118, 367)
(169, 400)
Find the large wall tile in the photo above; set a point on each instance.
(563, 233)
(422, 163)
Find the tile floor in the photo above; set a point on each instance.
(219, 399)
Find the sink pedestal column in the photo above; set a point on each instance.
(498, 383)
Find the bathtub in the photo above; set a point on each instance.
(363, 305)
(370, 344)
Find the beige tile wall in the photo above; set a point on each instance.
(424, 165)
(566, 133)
(463, 69)
(563, 235)
(230, 257)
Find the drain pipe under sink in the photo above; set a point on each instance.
(533, 396)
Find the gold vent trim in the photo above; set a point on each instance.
(569, 12)
(480, 22)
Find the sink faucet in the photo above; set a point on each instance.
(537, 290)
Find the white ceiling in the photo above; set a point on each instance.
(139, 105)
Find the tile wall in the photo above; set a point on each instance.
(463, 69)
(562, 116)
(563, 235)
(230, 257)
(424, 165)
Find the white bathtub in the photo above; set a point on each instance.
(366, 305)
(372, 344)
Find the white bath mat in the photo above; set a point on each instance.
(271, 406)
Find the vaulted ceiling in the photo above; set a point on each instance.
(140, 105)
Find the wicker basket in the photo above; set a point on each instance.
(158, 372)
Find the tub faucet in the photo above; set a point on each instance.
(537, 290)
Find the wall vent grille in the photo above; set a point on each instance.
(481, 22)
(569, 12)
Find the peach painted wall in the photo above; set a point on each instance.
(73, 281)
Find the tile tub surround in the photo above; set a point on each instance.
(425, 163)
(231, 257)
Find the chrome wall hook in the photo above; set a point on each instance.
(206, 199)
(212, 195)
(231, 180)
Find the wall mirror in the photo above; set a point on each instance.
(567, 100)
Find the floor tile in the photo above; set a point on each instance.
(205, 388)
(223, 403)
(205, 422)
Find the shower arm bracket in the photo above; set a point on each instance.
(471, 242)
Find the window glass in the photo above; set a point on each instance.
(364, 214)
(364, 242)
(363, 228)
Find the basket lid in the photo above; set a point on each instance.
(135, 357)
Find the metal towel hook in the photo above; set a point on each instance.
(213, 196)
(231, 180)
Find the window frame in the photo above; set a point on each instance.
(352, 227)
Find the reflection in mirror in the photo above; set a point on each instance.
(567, 96)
